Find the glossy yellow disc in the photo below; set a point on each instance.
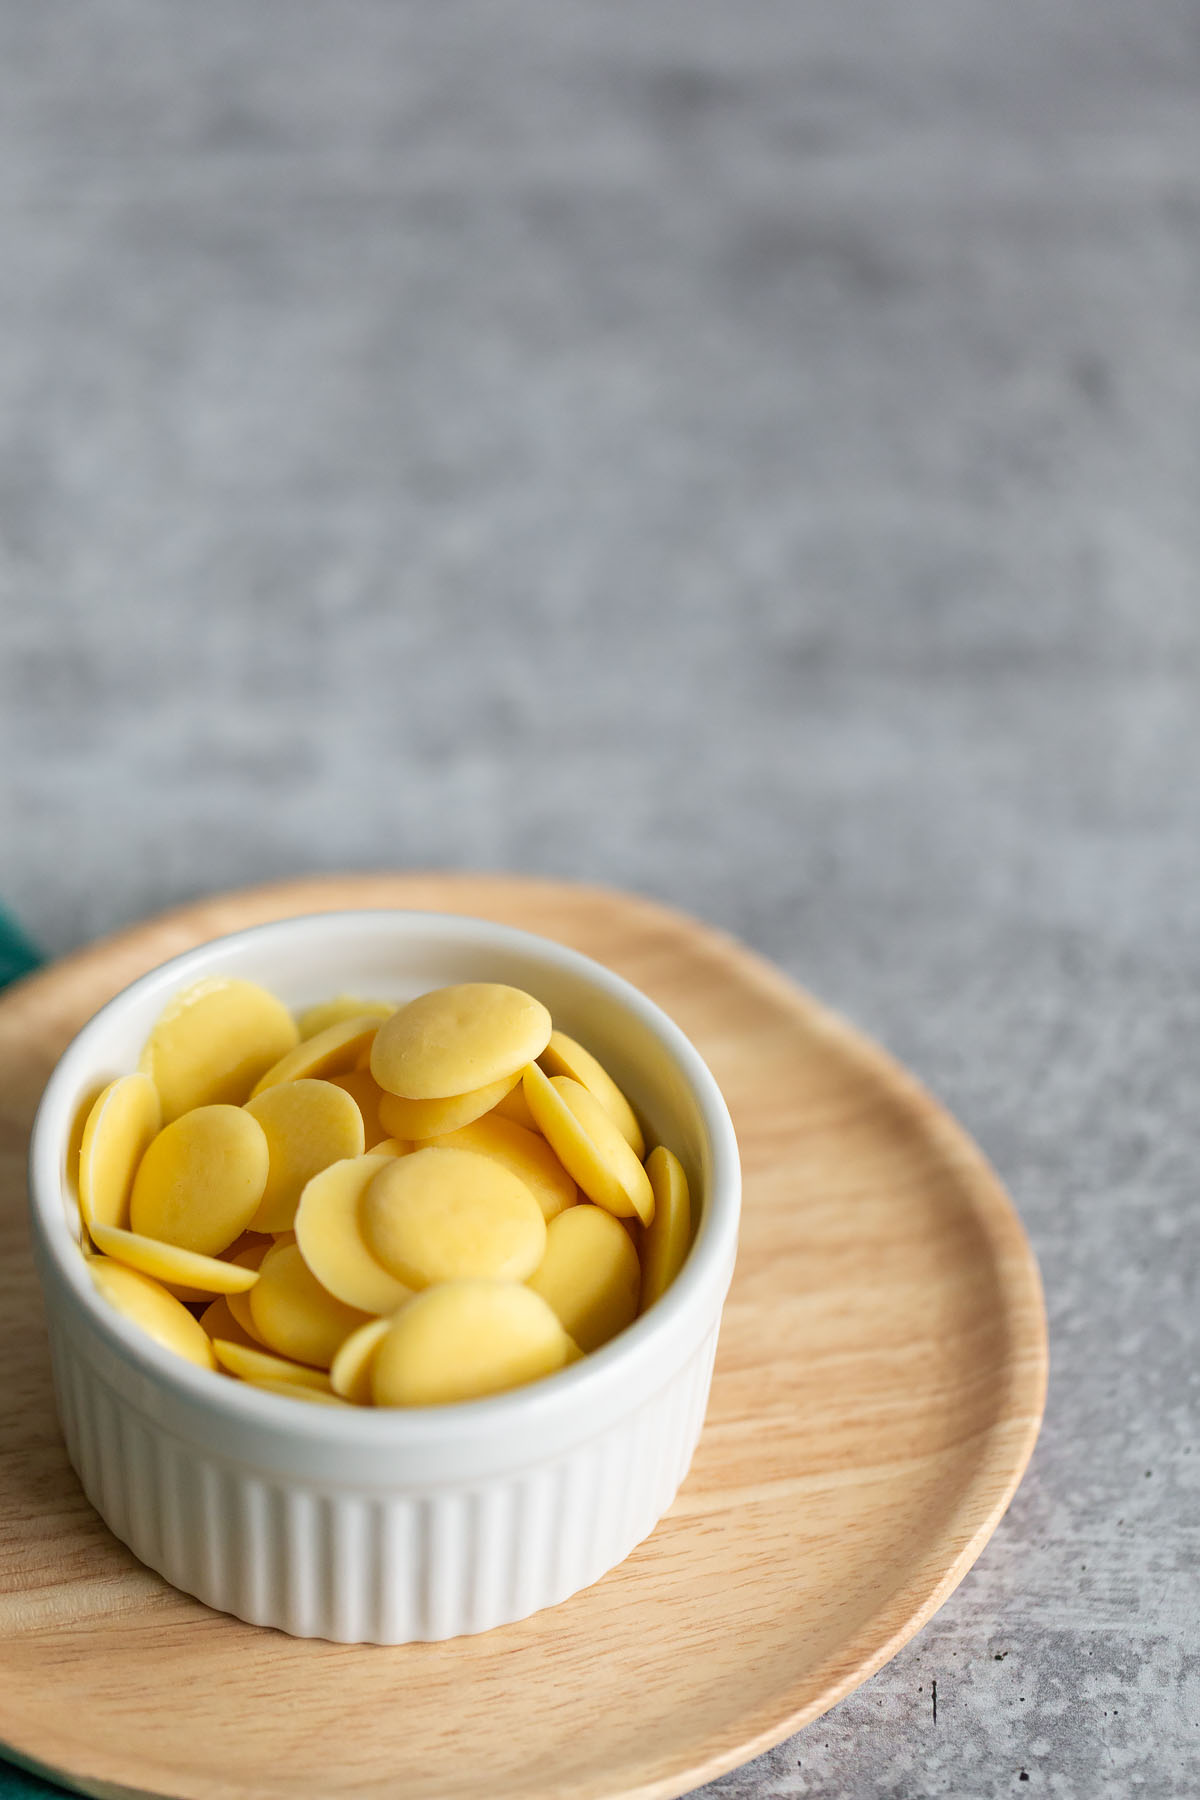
(259, 1365)
(451, 1215)
(563, 1056)
(589, 1275)
(187, 1294)
(219, 1322)
(169, 1264)
(391, 1147)
(252, 1257)
(213, 1042)
(458, 1038)
(295, 1390)
(201, 1180)
(149, 1305)
(331, 1240)
(120, 1127)
(466, 1339)
(526, 1153)
(515, 1106)
(668, 1237)
(293, 1314)
(308, 1124)
(419, 1120)
(334, 1012)
(74, 1144)
(330, 1052)
(588, 1144)
(366, 1092)
(351, 1371)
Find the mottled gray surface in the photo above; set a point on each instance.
(749, 453)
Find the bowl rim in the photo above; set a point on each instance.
(693, 1299)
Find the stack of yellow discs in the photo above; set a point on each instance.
(374, 1204)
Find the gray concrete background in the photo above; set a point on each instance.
(747, 453)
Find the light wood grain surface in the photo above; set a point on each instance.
(877, 1395)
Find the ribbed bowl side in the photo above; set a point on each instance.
(371, 1566)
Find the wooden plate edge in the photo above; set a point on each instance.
(1008, 1442)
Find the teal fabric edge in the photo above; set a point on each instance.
(19, 1784)
(18, 957)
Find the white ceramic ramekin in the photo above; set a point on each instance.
(387, 1527)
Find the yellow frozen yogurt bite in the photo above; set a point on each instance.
(376, 1205)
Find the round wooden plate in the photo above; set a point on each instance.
(878, 1391)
